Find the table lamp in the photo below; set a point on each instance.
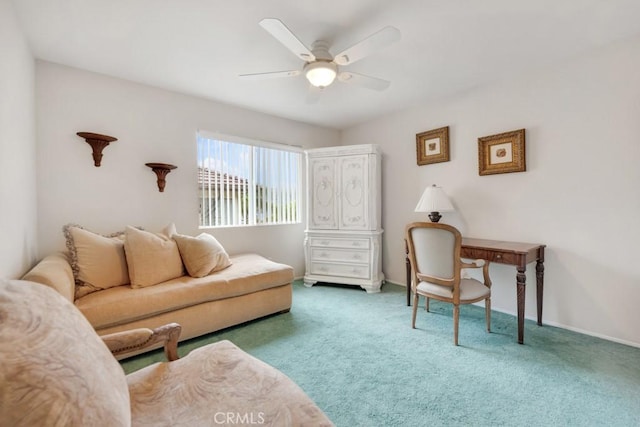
(434, 200)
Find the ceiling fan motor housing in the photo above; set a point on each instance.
(323, 70)
(320, 50)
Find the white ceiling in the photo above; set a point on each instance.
(198, 47)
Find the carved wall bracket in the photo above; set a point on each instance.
(97, 142)
(161, 170)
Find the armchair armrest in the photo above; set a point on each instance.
(476, 263)
(121, 343)
(479, 263)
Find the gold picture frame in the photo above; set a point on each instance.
(433, 146)
(502, 153)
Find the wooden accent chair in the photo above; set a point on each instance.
(56, 371)
(436, 270)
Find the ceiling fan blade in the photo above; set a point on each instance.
(269, 75)
(371, 44)
(364, 81)
(313, 94)
(280, 32)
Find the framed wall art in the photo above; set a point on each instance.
(502, 153)
(433, 146)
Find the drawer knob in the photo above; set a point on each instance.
(323, 255)
(324, 242)
(357, 256)
(498, 256)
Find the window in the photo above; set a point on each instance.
(246, 182)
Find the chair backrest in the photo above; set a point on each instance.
(54, 369)
(434, 252)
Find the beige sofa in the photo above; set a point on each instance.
(250, 288)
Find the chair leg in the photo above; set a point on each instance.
(415, 310)
(487, 313)
(426, 304)
(456, 320)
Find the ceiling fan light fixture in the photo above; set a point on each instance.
(321, 73)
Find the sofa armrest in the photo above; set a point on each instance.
(121, 343)
(54, 271)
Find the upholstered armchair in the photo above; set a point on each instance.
(56, 371)
(436, 271)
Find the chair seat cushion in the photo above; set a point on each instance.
(470, 290)
(219, 384)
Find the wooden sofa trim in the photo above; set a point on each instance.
(134, 340)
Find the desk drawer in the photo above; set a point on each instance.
(329, 242)
(341, 270)
(346, 255)
(492, 256)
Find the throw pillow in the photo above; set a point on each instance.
(202, 255)
(98, 262)
(152, 257)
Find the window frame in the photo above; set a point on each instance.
(251, 180)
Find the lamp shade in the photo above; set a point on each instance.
(320, 73)
(434, 200)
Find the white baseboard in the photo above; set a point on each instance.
(593, 334)
(557, 325)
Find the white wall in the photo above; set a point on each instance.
(17, 148)
(579, 195)
(151, 125)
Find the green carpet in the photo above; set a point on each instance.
(357, 357)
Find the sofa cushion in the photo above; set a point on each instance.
(55, 370)
(201, 255)
(98, 262)
(152, 257)
(248, 273)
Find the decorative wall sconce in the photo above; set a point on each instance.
(161, 170)
(97, 142)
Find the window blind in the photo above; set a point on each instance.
(247, 184)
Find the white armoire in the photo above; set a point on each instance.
(343, 236)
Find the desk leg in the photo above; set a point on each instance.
(408, 267)
(539, 285)
(521, 288)
(408, 282)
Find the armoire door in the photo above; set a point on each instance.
(322, 185)
(354, 191)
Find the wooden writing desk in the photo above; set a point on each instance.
(512, 253)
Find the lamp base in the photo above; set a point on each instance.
(435, 216)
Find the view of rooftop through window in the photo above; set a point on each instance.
(247, 184)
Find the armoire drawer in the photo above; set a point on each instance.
(334, 269)
(330, 242)
(346, 255)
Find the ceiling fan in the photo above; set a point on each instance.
(321, 68)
